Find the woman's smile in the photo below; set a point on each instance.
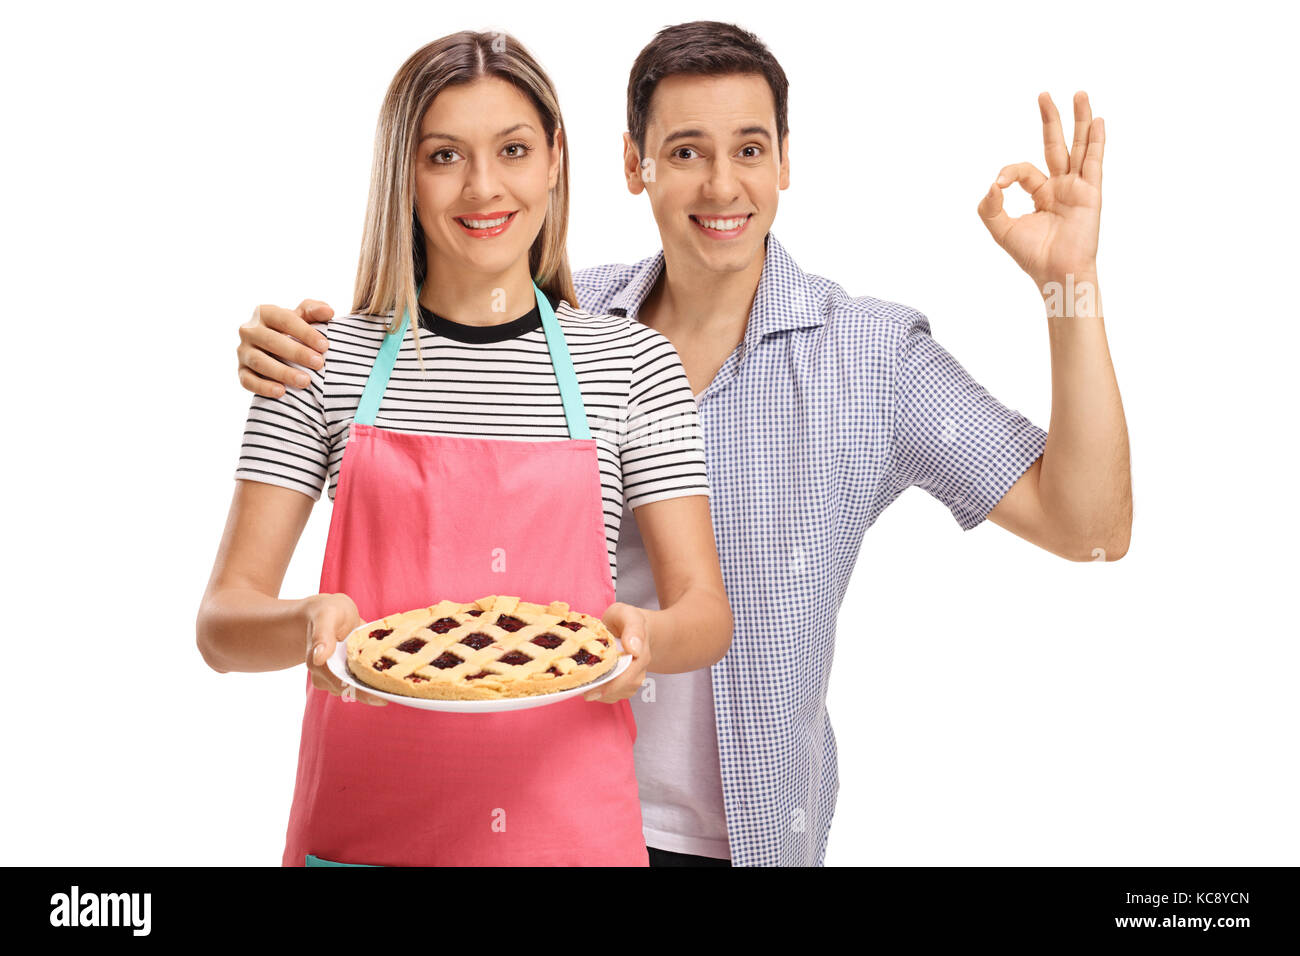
(486, 225)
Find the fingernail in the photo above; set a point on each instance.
(303, 380)
(316, 653)
(322, 343)
(318, 361)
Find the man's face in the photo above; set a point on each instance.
(710, 168)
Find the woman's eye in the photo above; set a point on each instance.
(443, 152)
(517, 150)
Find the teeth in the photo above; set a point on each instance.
(485, 223)
(722, 225)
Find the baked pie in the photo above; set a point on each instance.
(488, 649)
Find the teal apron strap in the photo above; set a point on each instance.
(575, 412)
(377, 383)
(310, 860)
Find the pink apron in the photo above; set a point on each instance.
(422, 518)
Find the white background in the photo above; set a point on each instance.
(166, 168)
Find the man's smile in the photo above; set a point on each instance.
(721, 227)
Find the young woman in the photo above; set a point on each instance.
(492, 453)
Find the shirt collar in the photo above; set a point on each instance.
(784, 299)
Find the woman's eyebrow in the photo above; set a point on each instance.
(456, 139)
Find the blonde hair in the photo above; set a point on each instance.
(392, 262)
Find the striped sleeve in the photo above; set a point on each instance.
(285, 441)
(663, 446)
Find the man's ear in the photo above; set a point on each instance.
(556, 150)
(784, 181)
(632, 166)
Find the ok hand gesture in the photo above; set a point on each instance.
(1060, 236)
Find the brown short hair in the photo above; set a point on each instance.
(702, 48)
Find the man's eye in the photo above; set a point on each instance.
(682, 149)
(751, 155)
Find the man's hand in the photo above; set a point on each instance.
(631, 626)
(274, 335)
(1059, 237)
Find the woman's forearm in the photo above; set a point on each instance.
(693, 632)
(242, 629)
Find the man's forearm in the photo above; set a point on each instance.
(1084, 483)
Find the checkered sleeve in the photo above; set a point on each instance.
(950, 436)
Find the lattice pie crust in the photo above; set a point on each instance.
(488, 649)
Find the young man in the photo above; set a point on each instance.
(818, 410)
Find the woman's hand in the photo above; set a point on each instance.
(284, 334)
(330, 619)
(631, 626)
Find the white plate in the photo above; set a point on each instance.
(338, 665)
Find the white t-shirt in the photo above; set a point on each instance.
(676, 749)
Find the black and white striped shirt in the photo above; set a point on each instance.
(494, 382)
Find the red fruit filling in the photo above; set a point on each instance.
(381, 632)
(478, 640)
(582, 657)
(384, 663)
(548, 640)
(416, 679)
(571, 625)
(514, 657)
(411, 645)
(443, 625)
(447, 659)
(475, 613)
(509, 623)
(478, 675)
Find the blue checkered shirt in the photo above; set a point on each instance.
(829, 408)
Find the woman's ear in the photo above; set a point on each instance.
(557, 150)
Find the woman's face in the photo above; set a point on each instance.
(483, 176)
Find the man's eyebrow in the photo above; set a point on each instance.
(456, 139)
(699, 133)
